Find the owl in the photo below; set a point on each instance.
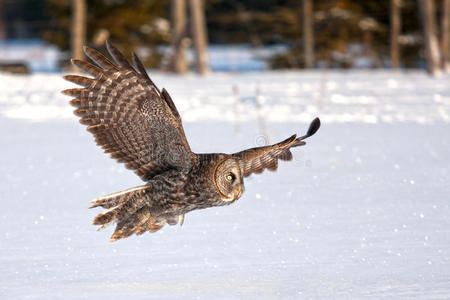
(139, 125)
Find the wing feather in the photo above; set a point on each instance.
(128, 116)
(118, 57)
(141, 69)
(256, 160)
(87, 67)
(99, 58)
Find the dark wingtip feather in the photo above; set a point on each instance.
(80, 80)
(98, 58)
(67, 92)
(118, 57)
(87, 67)
(288, 140)
(108, 44)
(81, 112)
(75, 92)
(139, 66)
(313, 127)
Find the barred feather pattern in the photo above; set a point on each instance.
(139, 125)
(256, 160)
(131, 210)
(128, 115)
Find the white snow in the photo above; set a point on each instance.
(361, 96)
(362, 211)
(39, 56)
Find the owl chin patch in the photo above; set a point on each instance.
(231, 199)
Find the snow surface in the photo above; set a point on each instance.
(363, 210)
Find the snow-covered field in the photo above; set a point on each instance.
(363, 210)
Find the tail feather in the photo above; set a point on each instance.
(112, 200)
(128, 225)
(128, 208)
(143, 226)
(131, 211)
(105, 218)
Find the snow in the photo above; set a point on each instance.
(362, 211)
(38, 55)
(339, 97)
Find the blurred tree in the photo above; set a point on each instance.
(445, 35)
(179, 36)
(308, 33)
(132, 24)
(252, 21)
(339, 25)
(427, 13)
(199, 33)
(395, 29)
(22, 19)
(3, 29)
(79, 10)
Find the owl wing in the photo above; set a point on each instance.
(128, 115)
(256, 160)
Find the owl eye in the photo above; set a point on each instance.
(230, 177)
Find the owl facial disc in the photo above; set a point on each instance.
(228, 180)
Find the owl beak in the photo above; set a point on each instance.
(239, 193)
(236, 196)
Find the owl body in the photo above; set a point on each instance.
(177, 192)
(139, 125)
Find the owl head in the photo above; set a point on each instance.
(229, 180)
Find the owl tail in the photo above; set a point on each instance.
(130, 210)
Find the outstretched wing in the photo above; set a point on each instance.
(128, 115)
(256, 160)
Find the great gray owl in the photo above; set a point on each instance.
(140, 126)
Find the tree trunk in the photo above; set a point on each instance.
(179, 64)
(308, 33)
(200, 36)
(395, 32)
(3, 31)
(78, 28)
(445, 35)
(426, 11)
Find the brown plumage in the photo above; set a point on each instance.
(139, 125)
